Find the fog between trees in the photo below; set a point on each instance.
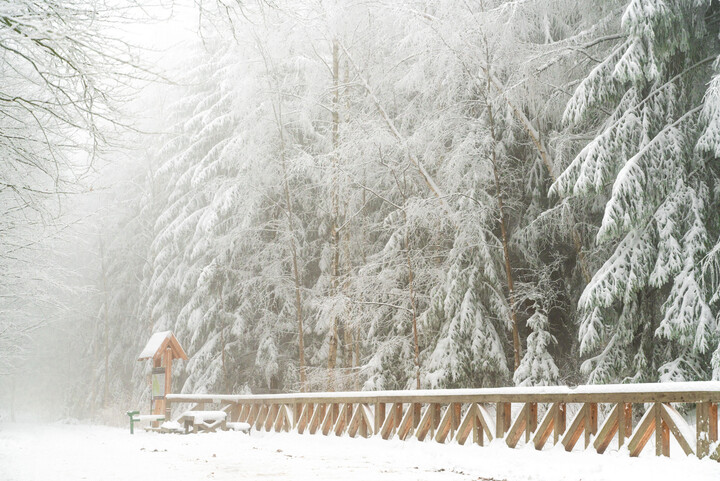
(358, 194)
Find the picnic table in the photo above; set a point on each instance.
(208, 421)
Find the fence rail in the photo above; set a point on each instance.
(603, 415)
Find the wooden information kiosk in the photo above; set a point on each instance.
(162, 348)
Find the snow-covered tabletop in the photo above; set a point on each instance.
(204, 416)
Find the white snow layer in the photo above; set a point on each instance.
(697, 386)
(73, 452)
(154, 344)
(201, 416)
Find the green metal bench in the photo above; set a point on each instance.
(136, 417)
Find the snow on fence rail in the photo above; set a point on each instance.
(601, 414)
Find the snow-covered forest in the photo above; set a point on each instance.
(357, 194)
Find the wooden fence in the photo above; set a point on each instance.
(542, 415)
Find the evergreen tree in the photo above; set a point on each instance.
(656, 216)
(537, 367)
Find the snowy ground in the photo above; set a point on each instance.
(62, 452)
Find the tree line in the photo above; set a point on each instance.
(421, 194)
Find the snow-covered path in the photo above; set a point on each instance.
(61, 452)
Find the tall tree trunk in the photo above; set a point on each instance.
(503, 232)
(223, 341)
(296, 270)
(411, 290)
(332, 351)
(299, 317)
(351, 333)
(542, 150)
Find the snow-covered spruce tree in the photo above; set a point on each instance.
(235, 253)
(537, 367)
(469, 315)
(709, 144)
(499, 165)
(202, 195)
(645, 314)
(394, 286)
(202, 122)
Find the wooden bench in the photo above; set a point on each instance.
(208, 421)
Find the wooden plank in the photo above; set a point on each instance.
(476, 421)
(608, 429)
(366, 426)
(559, 424)
(417, 407)
(317, 418)
(713, 409)
(486, 423)
(478, 434)
(670, 418)
(467, 425)
(644, 430)
(456, 414)
(437, 415)
(245, 413)
(272, 415)
(665, 439)
(342, 419)
(388, 427)
(379, 417)
(253, 413)
(297, 412)
(628, 420)
(591, 422)
(576, 429)
(310, 413)
(702, 429)
(406, 424)
(531, 423)
(291, 418)
(361, 421)
(348, 413)
(262, 414)
(234, 412)
(517, 428)
(715, 455)
(661, 439)
(283, 421)
(425, 424)
(328, 419)
(546, 427)
(303, 418)
(399, 409)
(502, 418)
(444, 426)
(658, 431)
(354, 425)
(621, 422)
(168, 378)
